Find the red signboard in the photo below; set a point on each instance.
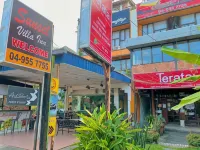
(164, 6)
(161, 80)
(101, 29)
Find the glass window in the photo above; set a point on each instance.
(198, 18)
(187, 20)
(128, 62)
(113, 43)
(115, 35)
(167, 57)
(144, 29)
(123, 64)
(122, 35)
(146, 55)
(137, 57)
(117, 65)
(160, 26)
(127, 34)
(117, 42)
(156, 54)
(182, 46)
(150, 28)
(194, 46)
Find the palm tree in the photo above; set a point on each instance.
(189, 58)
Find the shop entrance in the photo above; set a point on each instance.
(166, 99)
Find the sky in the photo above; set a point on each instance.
(63, 13)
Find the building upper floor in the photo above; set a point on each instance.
(165, 15)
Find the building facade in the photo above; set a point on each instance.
(171, 23)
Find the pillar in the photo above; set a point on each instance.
(127, 90)
(116, 98)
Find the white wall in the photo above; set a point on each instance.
(134, 23)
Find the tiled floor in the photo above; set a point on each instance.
(25, 141)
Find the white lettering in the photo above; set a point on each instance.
(25, 33)
(168, 79)
(119, 20)
(39, 38)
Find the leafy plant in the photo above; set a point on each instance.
(189, 58)
(99, 132)
(193, 140)
(60, 105)
(152, 136)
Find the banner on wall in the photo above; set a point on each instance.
(121, 18)
(27, 38)
(164, 6)
(22, 96)
(96, 29)
(162, 80)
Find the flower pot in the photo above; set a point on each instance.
(182, 123)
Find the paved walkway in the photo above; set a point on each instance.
(24, 140)
(178, 128)
(173, 138)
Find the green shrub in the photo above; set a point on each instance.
(193, 140)
(152, 136)
(105, 132)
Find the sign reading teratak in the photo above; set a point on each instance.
(27, 36)
(96, 29)
(22, 96)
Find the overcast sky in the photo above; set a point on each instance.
(64, 15)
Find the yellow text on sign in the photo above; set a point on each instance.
(54, 86)
(52, 126)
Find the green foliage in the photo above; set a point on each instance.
(7, 124)
(182, 55)
(155, 122)
(152, 136)
(60, 105)
(128, 72)
(101, 132)
(189, 58)
(188, 100)
(61, 94)
(34, 110)
(140, 137)
(193, 140)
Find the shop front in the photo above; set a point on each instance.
(13, 117)
(157, 95)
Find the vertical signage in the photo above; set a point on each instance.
(29, 38)
(96, 37)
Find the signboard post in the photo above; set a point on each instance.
(96, 38)
(27, 39)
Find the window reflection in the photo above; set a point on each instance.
(194, 46)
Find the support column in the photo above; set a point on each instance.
(116, 98)
(127, 90)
